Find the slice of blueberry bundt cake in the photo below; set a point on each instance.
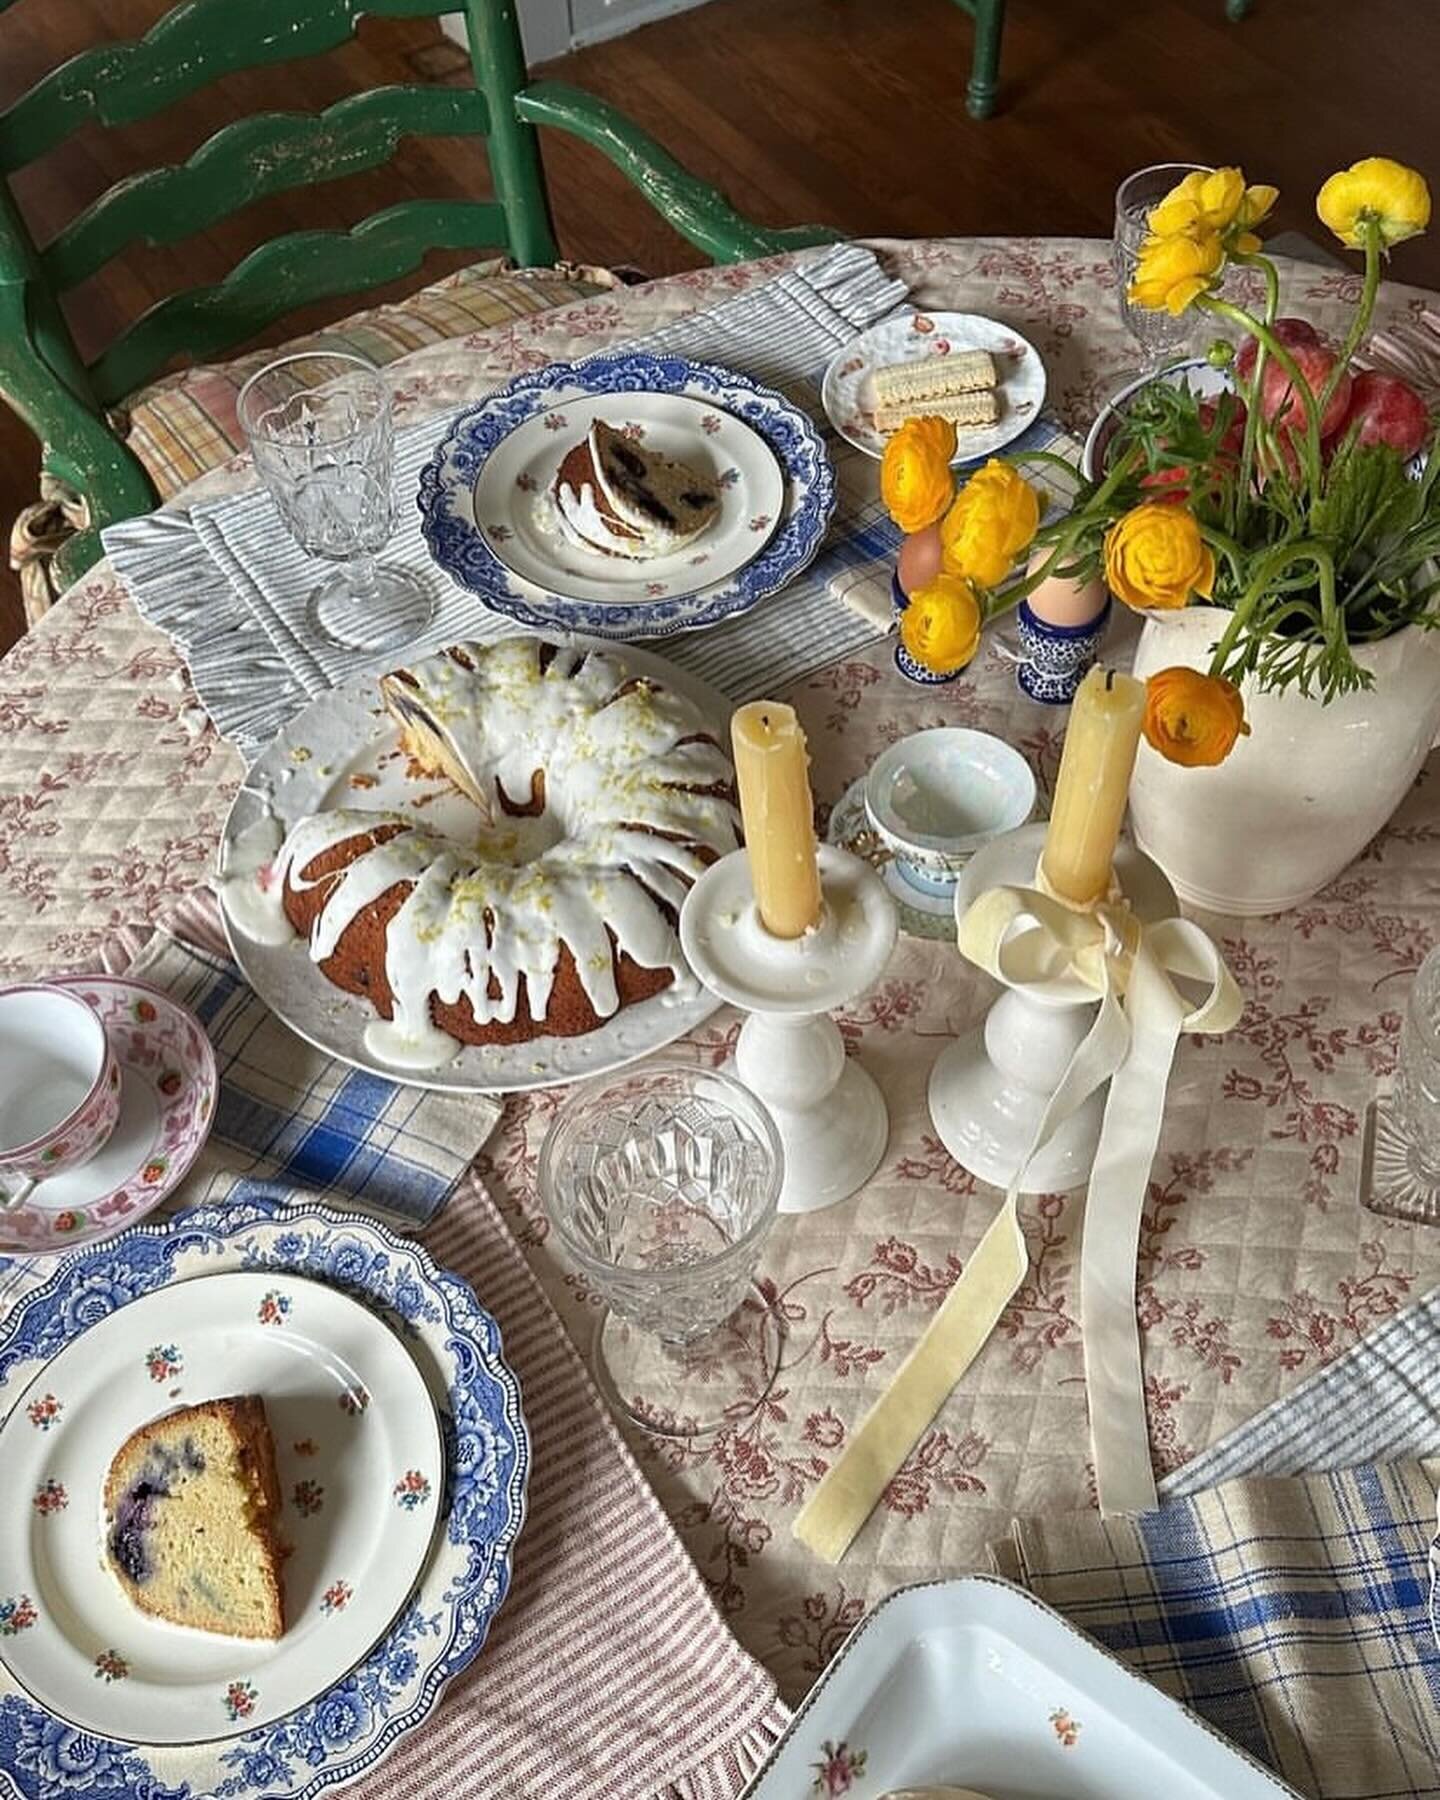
(192, 1503)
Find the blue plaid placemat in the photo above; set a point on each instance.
(289, 1115)
(1289, 1604)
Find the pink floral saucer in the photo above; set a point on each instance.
(167, 1105)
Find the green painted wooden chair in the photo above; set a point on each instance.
(66, 402)
(983, 88)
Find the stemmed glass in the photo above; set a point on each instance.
(1400, 1164)
(662, 1185)
(319, 425)
(1160, 335)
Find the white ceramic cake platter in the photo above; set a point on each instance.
(517, 516)
(553, 591)
(477, 1512)
(359, 1455)
(167, 1106)
(975, 1684)
(848, 395)
(341, 752)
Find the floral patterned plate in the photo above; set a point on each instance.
(358, 1450)
(848, 396)
(167, 1105)
(783, 543)
(477, 1510)
(517, 517)
(974, 1683)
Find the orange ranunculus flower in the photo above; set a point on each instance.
(1193, 719)
(915, 480)
(941, 625)
(1375, 188)
(1156, 557)
(993, 519)
(1171, 272)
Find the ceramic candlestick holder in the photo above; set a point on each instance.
(989, 1089)
(831, 1116)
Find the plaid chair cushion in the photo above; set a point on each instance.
(184, 425)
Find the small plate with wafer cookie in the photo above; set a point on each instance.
(975, 371)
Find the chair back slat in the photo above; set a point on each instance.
(191, 46)
(265, 154)
(289, 272)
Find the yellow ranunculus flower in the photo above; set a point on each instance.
(1395, 197)
(915, 480)
(993, 518)
(1172, 271)
(1156, 557)
(1212, 200)
(1193, 719)
(941, 625)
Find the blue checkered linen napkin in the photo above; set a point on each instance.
(1290, 1610)
(288, 1115)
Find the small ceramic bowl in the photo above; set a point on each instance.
(935, 797)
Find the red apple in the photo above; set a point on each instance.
(1282, 406)
(1387, 411)
(1291, 332)
(1234, 436)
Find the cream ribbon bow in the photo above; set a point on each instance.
(1027, 940)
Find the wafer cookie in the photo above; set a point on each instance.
(934, 377)
(965, 411)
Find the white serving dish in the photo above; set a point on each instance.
(935, 797)
(974, 1683)
(340, 751)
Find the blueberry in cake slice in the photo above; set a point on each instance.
(192, 1503)
(614, 494)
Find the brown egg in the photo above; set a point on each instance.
(919, 559)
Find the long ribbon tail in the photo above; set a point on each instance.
(850, 1490)
(1115, 1203)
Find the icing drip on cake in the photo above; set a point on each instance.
(596, 784)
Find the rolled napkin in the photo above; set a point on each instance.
(1291, 1613)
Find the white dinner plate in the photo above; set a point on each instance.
(361, 1470)
(341, 751)
(848, 393)
(975, 1684)
(517, 516)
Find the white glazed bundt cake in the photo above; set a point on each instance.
(192, 1502)
(602, 795)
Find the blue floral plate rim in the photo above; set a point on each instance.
(446, 493)
(347, 1730)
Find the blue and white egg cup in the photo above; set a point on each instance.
(1055, 659)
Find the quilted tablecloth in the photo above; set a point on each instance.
(1257, 1263)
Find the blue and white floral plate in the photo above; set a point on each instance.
(675, 600)
(339, 1734)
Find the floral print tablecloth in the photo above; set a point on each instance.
(1257, 1264)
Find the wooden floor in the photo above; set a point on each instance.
(848, 112)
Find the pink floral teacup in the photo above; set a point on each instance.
(59, 1089)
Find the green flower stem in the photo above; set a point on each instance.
(1253, 260)
(1360, 324)
(1068, 536)
(1267, 568)
(1048, 456)
(1230, 548)
(1298, 384)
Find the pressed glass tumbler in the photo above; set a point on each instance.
(662, 1183)
(1161, 335)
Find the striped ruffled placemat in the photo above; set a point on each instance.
(230, 586)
